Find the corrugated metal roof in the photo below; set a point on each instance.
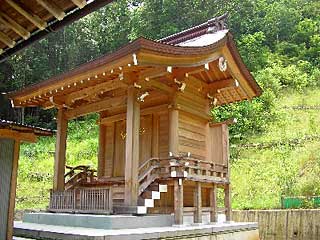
(5, 124)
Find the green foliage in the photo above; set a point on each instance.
(278, 40)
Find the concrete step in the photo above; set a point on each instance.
(143, 231)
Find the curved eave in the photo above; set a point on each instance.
(147, 53)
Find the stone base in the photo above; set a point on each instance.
(222, 231)
(99, 221)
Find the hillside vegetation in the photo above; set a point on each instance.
(273, 145)
(284, 160)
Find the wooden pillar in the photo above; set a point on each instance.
(155, 135)
(132, 148)
(13, 188)
(178, 201)
(173, 131)
(213, 204)
(198, 203)
(9, 155)
(102, 149)
(227, 202)
(60, 154)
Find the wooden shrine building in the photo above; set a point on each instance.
(11, 135)
(159, 149)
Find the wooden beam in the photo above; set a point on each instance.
(80, 3)
(221, 84)
(227, 202)
(86, 92)
(33, 18)
(213, 204)
(12, 24)
(12, 198)
(52, 8)
(132, 148)
(144, 111)
(102, 150)
(157, 85)
(198, 203)
(178, 201)
(6, 40)
(60, 154)
(95, 107)
(26, 137)
(155, 72)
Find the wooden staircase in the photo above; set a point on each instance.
(152, 193)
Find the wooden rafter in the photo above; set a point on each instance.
(80, 3)
(221, 84)
(155, 72)
(157, 85)
(6, 40)
(103, 87)
(12, 24)
(52, 8)
(33, 18)
(95, 107)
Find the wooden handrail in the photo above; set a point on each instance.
(149, 170)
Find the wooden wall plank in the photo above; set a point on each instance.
(119, 149)
(102, 149)
(110, 149)
(155, 135)
(146, 130)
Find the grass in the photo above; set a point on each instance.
(260, 176)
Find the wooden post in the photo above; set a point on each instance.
(13, 187)
(213, 204)
(227, 202)
(132, 148)
(60, 155)
(178, 201)
(173, 131)
(102, 148)
(198, 203)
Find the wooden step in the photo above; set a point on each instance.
(151, 194)
(130, 210)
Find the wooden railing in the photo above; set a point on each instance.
(182, 167)
(82, 200)
(77, 175)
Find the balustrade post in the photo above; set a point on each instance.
(178, 201)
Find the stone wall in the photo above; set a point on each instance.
(300, 224)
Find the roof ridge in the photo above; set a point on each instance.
(212, 25)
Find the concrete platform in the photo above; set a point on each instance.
(98, 221)
(225, 231)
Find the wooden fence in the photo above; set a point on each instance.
(82, 200)
(300, 224)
